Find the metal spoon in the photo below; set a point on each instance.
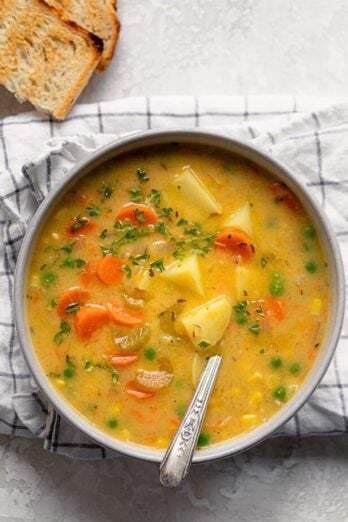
(178, 457)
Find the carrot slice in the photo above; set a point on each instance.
(80, 225)
(282, 193)
(274, 309)
(70, 296)
(120, 361)
(139, 214)
(89, 319)
(109, 270)
(133, 390)
(238, 242)
(120, 315)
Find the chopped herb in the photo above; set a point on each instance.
(169, 290)
(150, 353)
(80, 222)
(127, 270)
(154, 196)
(161, 227)
(165, 212)
(306, 247)
(54, 375)
(42, 267)
(203, 345)
(263, 261)
(203, 439)
(136, 195)
(311, 267)
(89, 366)
(127, 233)
(181, 222)
(262, 351)
(255, 328)
(115, 376)
(279, 393)
(107, 191)
(294, 368)
(139, 214)
(70, 262)
(194, 229)
(179, 254)
(102, 234)
(48, 278)
(276, 362)
(140, 259)
(112, 423)
(68, 247)
(64, 330)
(157, 265)
(93, 211)
(72, 308)
(51, 304)
(241, 312)
(142, 175)
(308, 232)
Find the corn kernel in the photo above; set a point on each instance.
(125, 434)
(60, 383)
(235, 392)
(256, 377)
(162, 442)
(272, 380)
(248, 420)
(115, 410)
(35, 281)
(256, 398)
(315, 307)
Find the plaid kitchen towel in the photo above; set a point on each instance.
(309, 135)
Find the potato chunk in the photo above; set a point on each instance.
(196, 192)
(206, 324)
(241, 219)
(185, 273)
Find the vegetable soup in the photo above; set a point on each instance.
(159, 259)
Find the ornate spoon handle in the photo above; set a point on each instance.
(177, 459)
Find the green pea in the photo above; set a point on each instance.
(112, 423)
(276, 288)
(203, 439)
(294, 368)
(308, 232)
(150, 353)
(181, 409)
(48, 278)
(279, 393)
(311, 267)
(69, 372)
(276, 362)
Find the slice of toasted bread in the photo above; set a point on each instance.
(44, 59)
(98, 17)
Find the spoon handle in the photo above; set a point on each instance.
(177, 459)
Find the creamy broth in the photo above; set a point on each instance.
(113, 289)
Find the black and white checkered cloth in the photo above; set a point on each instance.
(309, 135)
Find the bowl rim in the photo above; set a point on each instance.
(195, 137)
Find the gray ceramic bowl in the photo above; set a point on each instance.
(328, 241)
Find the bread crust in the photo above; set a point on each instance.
(68, 11)
(110, 50)
(34, 90)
